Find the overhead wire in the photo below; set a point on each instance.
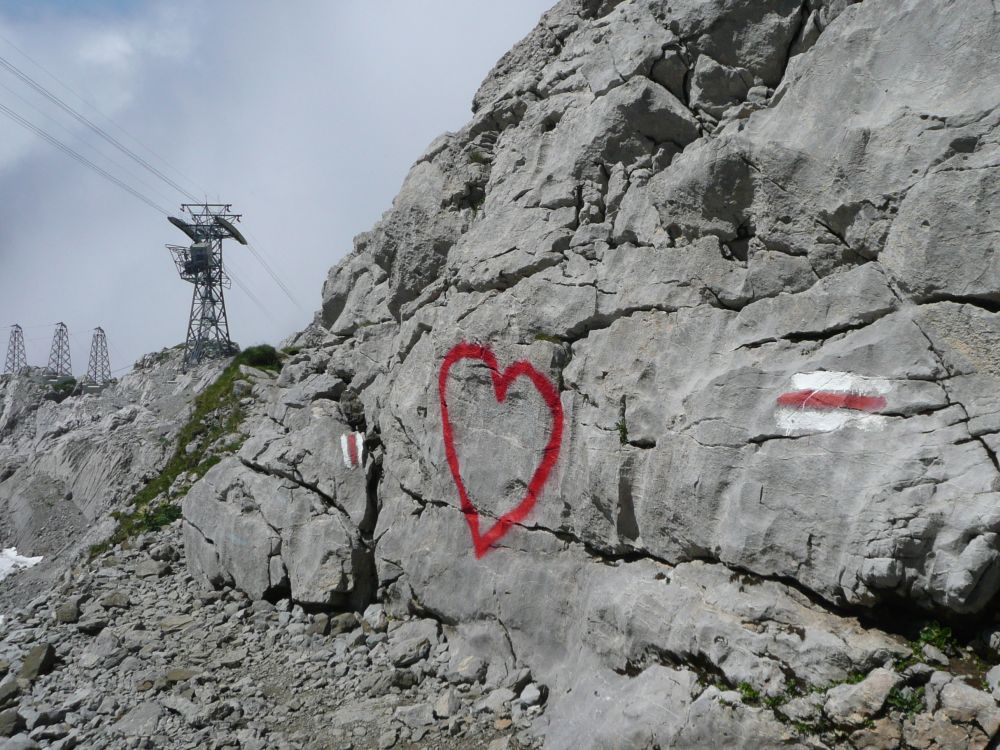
(81, 142)
(246, 291)
(69, 151)
(82, 119)
(58, 101)
(103, 116)
(258, 254)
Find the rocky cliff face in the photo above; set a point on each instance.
(64, 467)
(678, 358)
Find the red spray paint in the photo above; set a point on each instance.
(826, 400)
(550, 455)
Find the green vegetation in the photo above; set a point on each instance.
(216, 413)
(775, 701)
(748, 692)
(937, 635)
(478, 157)
(908, 700)
(932, 634)
(622, 431)
(291, 351)
(261, 356)
(61, 389)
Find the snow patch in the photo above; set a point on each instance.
(11, 562)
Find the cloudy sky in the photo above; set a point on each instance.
(305, 120)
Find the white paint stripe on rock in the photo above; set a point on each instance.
(845, 382)
(805, 419)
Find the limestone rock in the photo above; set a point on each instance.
(39, 660)
(855, 704)
(673, 360)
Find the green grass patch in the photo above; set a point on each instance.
(216, 412)
(748, 692)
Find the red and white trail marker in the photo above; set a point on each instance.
(352, 445)
(826, 401)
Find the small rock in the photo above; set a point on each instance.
(115, 600)
(190, 712)
(233, 658)
(141, 721)
(853, 704)
(882, 734)
(91, 626)
(179, 674)
(152, 569)
(419, 715)
(68, 612)
(447, 704)
(467, 669)
(40, 660)
(964, 703)
(374, 616)
(343, 623)
(387, 739)
(11, 722)
(993, 677)
(320, 625)
(9, 690)
(20, 742)
(164, 552)
(174, 623)
(496, 700)
(804, 708)
(532, 695)
(934, 655)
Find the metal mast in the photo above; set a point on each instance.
(99, 368)
(59, 361)
(201, 265)
(16, 360)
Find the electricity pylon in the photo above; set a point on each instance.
(16, 361)
(201, 265)
(59, 359)
(99, 368)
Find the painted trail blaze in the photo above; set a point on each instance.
(832, 400)
(482, 541)
(352, 446)
(829, 400)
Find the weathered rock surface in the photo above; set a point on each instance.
(191, 668)
(745, 253)
(65, 466)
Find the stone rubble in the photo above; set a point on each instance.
(160, 663)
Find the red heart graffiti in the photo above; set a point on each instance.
(501, 383)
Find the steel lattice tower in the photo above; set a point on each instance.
(99, 367)
(201, 265)
(59, 360)
(16, 360)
